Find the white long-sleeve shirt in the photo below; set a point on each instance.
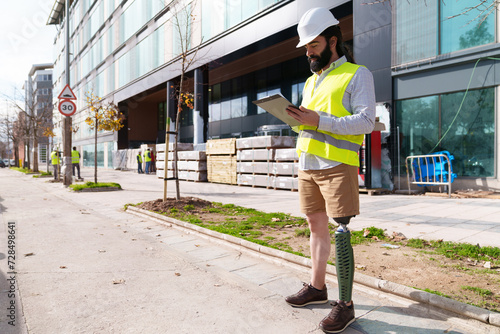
(359, 100)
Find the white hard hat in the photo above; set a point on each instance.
(313, 23)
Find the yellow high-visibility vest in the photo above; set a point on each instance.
(147, 156)
(327, 100)
(75, 157)
(54, 157)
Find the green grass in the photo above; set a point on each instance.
(454, 250)
(434, 292)
(358, 237)
(22, 169)
(479, 291)
(43, 174)
(86, 185)
(303, 232)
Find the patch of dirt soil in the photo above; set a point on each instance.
(400, 264)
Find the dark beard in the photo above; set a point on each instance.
(321, 61)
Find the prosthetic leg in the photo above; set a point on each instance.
(344, 259)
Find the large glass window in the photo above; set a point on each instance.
(213, 14)
(159, 43)
(162, 119)
(186, 116)
(89, 154)
(416, 30)
(181, 30)
(111, 146)
(469, 131)
(464, 127)
(463, 28)
(233, 98)
(425, 29)
(220, 15)
(297, 93)
(138, 13)
(214, 103)
(419, 125)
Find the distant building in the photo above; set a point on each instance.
(38, 95)
(422, 56)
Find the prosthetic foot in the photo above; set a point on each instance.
(344, 259)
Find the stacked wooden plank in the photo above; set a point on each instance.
(257, 165)
(221, 160)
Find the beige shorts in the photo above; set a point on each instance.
(334, 191)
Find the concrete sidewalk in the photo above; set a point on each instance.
(83, 265)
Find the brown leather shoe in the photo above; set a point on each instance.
(339, 318)
(308, 295)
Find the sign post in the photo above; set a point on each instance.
(67, 108)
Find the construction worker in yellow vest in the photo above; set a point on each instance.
(147, 160)
(139, 163)
(337, 109)
(54, 157)
(75, 161)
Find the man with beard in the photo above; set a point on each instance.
(338, 108)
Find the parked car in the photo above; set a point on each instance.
(2, 164)
(6, 162)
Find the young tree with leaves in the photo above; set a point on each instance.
(103, 116)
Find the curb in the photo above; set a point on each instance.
(473, 312)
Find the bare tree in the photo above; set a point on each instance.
(182, 23)
(33, 118)
(12, 131)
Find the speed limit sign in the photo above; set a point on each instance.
(67, 107)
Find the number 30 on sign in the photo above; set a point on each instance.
(67, 107)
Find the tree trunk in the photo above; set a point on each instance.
(27, 153)
(35, 153)
(95, 152)
(16, 155)
(177, 121)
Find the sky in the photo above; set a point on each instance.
(25, 39)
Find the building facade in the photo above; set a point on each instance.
(38, 103)
(444, 63)
(422, 56)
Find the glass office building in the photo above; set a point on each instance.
(444, 57)
(433, 66)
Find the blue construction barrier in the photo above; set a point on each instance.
(431, 169)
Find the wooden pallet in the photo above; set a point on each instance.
(371, 192)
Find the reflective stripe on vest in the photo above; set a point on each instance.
(327, 100)
(75, 157)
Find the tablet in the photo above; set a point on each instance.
(276, 105)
